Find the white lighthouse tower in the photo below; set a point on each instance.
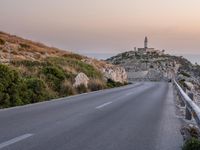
(146, 42)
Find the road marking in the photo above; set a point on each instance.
(128, 94)
(15, 140)
(103, 105)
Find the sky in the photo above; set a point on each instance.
(105, 26)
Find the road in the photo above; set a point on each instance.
(135, 117)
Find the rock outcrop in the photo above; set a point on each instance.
(80, 79)
(146, 67)
(114, 72)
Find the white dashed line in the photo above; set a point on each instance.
(103, 105)
(15, 140)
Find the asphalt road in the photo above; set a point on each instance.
(134, 117)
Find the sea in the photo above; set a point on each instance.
(192, 58)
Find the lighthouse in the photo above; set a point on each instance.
(146, 43)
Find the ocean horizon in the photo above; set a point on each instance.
(193, 58)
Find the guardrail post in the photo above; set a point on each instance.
(188, 114)
(184, 89)
(178, 96)
(182, 103)
(191, 95)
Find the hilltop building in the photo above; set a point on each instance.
(146, 49)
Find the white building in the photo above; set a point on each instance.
(146, 50)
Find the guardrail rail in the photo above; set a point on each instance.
(192, 110)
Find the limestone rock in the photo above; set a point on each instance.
(189, 85)
(109, 71)
(81, 78)
(115, 73)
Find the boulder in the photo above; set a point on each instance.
(189, 85)
(80, 79)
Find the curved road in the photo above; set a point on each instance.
(134, 117)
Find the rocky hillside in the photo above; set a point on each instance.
(147, 66)
(32, 72)
(17, 49)
(155, 67)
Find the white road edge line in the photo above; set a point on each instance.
(103, 105)
(15, 140)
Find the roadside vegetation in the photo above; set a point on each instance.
(26, 82)
(192, 144)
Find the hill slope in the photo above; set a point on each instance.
(155, 67)
(32, 72)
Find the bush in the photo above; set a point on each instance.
(151, 66)
(73, 55)
(2, 42)
(23, 45)
(54, 77)
(81, 89)
(15, 90)
(78, 65)
(95, 85)
(28, 63)
(112, 84)
(54, 71)
(192, 144)
(66, 89)
(9, 81)
(35, 90)
(182, 83)
(185, 74)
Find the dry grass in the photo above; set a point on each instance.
(96, 84)
(67, 88)
(30, 46)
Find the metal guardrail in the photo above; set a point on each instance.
(192, 110)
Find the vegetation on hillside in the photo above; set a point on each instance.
(192, 144)
(37, 72)
(25, 82)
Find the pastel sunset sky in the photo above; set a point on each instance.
(105, 26)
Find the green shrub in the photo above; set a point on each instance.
(23, 45)
(73, 55)
(182, 83)
(112, 84)
(35, 90)
(54, 71)
(28, 63)
(2, 42)
(9, 81)
(78, 65)
(15, 90)
(54, 76)
(66, 89)
(81, 89)
(185, 74)
(124, 55)
(192, 144)
(95, 85)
